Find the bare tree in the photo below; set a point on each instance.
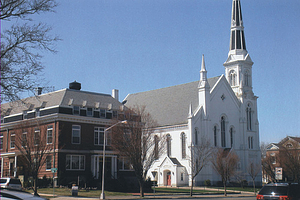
(253, 170)
(138, 142)
(200, 156)
(21, 44)
(225, 161)
(268, 167)
(31, 141)
(289, 160)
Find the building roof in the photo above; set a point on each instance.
(64, 97)
(172, 102)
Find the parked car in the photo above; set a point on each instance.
(11, 183)
(280, 191)
(7, 194)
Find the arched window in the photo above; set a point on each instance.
(232, 78)
(215, 136)
(183, 145)
(156, 147)
(223, 137)
(196, 136)
(247, 78)
(231, 136)
(249, 117)
(168, 145)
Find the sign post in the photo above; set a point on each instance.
(53, 170)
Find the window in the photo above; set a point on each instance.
(76, 110)
(48, 162)
(181, 176)
(89, 112)
(156, 147)
(249, 117)
(49, 134)
(75, 162)
(250, 142)
(196, 136)
(231, 136)
(215, 136)
(24, 139)
(102, 113)
(273, 158)
(183, 145)
(12, 140)
(1, 141)
(124, 165)
(232, 78)
(37, 112)
(36, 136)
(75, 134)
(247, 79)
(98, 136)
(168, 145)
(25, 114)
(223, 136)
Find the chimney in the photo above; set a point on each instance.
(115, 94)
(38, 91)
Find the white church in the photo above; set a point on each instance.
(222, 109)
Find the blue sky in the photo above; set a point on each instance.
(140, 45)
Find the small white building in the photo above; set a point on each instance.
(222, 109)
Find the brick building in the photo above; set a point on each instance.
(71, 122)
(282, 160)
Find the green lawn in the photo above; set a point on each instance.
(163, 190)
(81, 192)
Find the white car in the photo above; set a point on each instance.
(11, 183)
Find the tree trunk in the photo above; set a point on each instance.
(191, 191)
(225, 192)
(35, 186)
(141, 190)
(254, 187)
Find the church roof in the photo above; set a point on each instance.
(170, 105)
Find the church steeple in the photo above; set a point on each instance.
(238, 66)
(237, 36)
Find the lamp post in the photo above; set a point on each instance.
(102, 195)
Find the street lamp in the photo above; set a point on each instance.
(102, 196)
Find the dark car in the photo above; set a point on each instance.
(280, 191)
(8, 194)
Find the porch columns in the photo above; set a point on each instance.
(15, 168)
(2, 162)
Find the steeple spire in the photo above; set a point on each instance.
(238, 66)
(237, 37)
(203, 75)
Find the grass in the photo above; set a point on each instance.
(48, 192)
(81, 192)
(185, 190)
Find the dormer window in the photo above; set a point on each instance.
(76, 110)
(89, 112)
(102, 113)
(25, 114)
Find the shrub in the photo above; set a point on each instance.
(207, 182)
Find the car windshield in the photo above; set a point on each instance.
(277, 190)
(3, 180)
